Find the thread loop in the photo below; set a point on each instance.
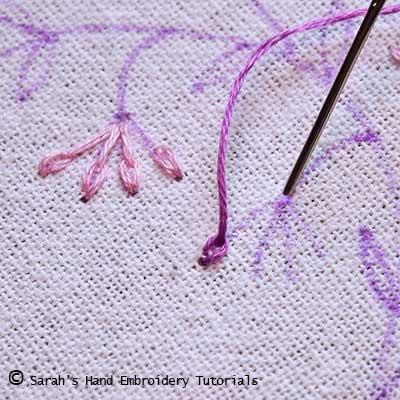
(214, 250)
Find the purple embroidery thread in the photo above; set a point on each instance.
(217, 246)
(280, 206)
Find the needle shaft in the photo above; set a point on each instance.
(333, 95)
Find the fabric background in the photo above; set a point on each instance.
(112, 286)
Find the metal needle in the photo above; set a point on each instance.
(333, 95)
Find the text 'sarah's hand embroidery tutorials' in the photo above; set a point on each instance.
(282, 215)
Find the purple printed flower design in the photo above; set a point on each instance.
(284, 215)
(41, 42)
(384, 281)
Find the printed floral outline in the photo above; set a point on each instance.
(123, 125)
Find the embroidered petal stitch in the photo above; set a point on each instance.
(118, 131)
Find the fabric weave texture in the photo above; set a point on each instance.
(306, 298)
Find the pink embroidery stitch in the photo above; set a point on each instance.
(165, 159)
(163, 156)
(128, 169)
(395, 52)
(96, 173)
(56, 163)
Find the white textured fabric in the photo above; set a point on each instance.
(112, 286)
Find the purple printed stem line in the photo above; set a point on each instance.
(326, 155)
(246, 222)
(148, 43)
(33, 54)
(132, 58)
(330, 151)
(217, 246)
(264, 242)
(384, 282)
(26, 65)
(147, 143)
(383, 386)
(12, 5)
(22, 46)
(31, 29)
(392, 184)
(327, 68)
(288, 243)
(123, 76)
(275, 26)
(372, 256)
(45, 36)
(200, 85)
(284, 212)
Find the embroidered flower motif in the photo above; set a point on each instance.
(118, 131)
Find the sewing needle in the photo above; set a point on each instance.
(333, 96)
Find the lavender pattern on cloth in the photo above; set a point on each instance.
(281, 213)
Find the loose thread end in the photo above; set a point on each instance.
(213, 251)
(178, 178)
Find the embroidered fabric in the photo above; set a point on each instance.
(307, 298)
